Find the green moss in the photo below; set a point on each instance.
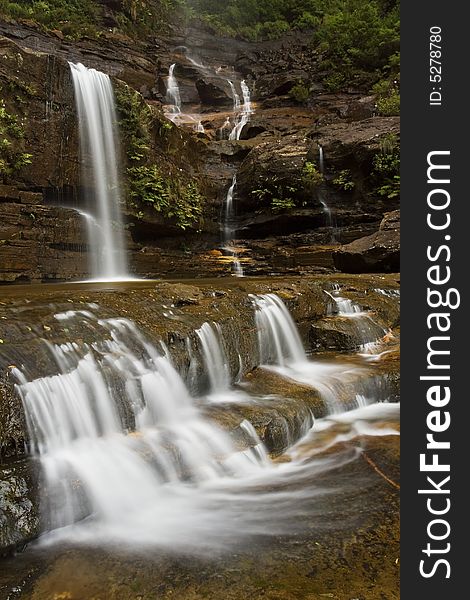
(344, 180)
(300, 92)
(171, 197)
(386, 168)
(12, 155)
(171, 194)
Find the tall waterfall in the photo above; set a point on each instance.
(115, 427)
(322, 198)
(246, 111)
(99, 144)
(228, 229)
(173, 91)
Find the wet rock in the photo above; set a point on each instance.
(19, 505)
(40, 243)
(212, 92)
(379, 252)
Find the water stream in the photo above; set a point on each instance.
(173, 92)
(243, 111)
(99, 144)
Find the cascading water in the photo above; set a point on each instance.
(278, 339)
(246, 111)
(199, 127)
(321, 196)
(237, 268)
(367, 332)
(214, 357)
(235, 96)
(115, 426)
(173, 92)
(99, 144)
(281, 348)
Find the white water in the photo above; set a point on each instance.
(242, 117)
(235, 96)
(228, 229)
(99, 143)
(367, 332)
(214, 356)
(281, 350)
(278, 339)
(326, 209)
(173, 91)
(116, 425)
(199, 127)
(129, 459)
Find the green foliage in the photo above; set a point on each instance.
(12, 156)
(171, 195)
(78, 18)
(295, 193)
(167, 195)
(311, 176)
(300, 92)
(344, 180)
(388, 96)
(135, 120)
(386, 168)
(258, 19)
(360, 39)
(281, 204)
(75, 18)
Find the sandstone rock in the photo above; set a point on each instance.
(212, 92)
(31, 198)
(379, 252)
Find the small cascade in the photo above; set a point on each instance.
(278, 338)
(173, 92)
(199, 127)
(281, 349)
(224, 131)
(367, 332)
(116, 425)
(99, 144)
(214, 356)
(244, 116)
(235, 96)
(228, 230)
(228, 211)
(321, 195)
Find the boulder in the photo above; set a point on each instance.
(213, 92)
(379, 252)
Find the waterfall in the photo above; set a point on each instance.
(237, 268)
(281, 350)
(199, 127)
(321, 195)
(246, 111)
(367, 332)
(173, 92)
(115, 426)
(278, 339)
(235, 96)
(99, 143)
(214, 356)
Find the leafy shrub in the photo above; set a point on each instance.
(169, 196)
(386, 168)
(300, 93)
(12, 155)
(344, 180)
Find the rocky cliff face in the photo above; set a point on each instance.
(280, 217)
